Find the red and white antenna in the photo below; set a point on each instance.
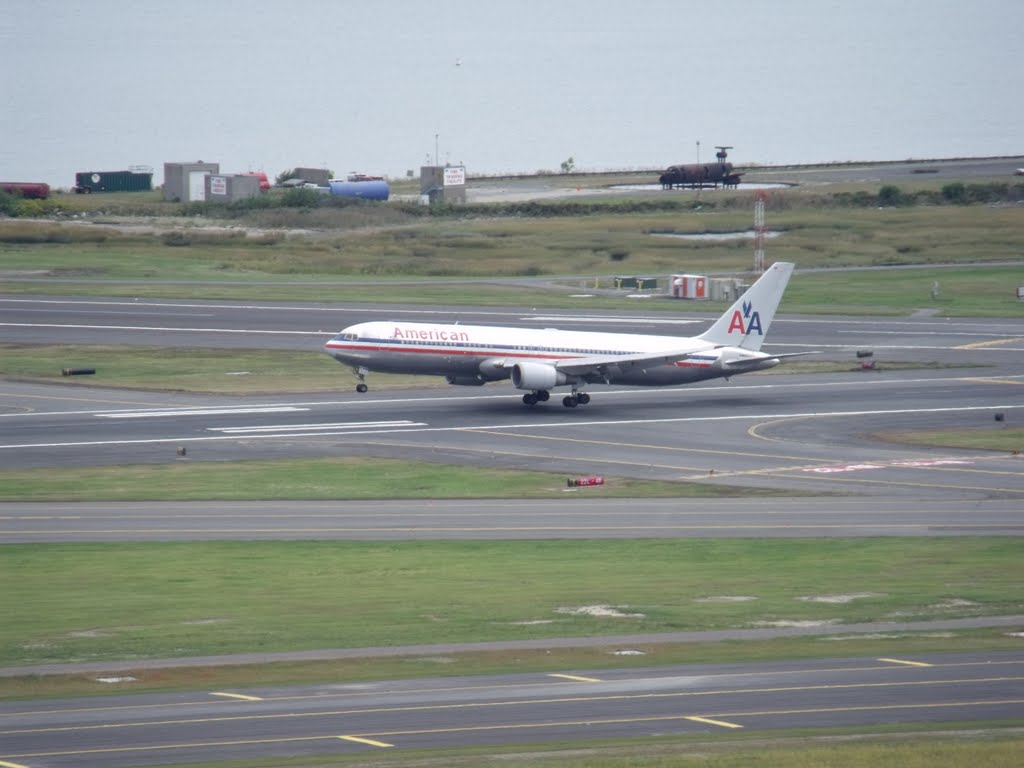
(759, 231)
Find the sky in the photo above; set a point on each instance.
(502, 86)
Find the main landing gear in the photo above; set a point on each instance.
(361, 375)
(569, 401)
(540, 396)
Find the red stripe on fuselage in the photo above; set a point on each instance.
(406, 349)
(484, 353)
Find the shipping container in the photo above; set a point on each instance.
(29, 189)
(87, 182)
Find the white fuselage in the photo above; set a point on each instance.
(476, 354)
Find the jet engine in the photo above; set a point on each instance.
(537, 376)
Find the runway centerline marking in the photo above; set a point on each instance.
(576, 678)
(371, 742)
(709, 721)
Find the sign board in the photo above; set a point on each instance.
(454, 176)
(218, 185)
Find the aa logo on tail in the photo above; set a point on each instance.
(747, 322)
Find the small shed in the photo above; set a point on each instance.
(689, 286)
(186, 182)
(443, 183)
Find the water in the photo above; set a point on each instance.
(502, 86)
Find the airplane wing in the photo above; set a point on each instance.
(600, 364)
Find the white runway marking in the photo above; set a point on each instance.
(197, 412)
(561, 424)
(338, 425)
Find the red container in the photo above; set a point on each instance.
(27, 189)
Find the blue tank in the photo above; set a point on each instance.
(370, 189)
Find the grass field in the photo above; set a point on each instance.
(560, 255)
(73, 602)
(317, 479)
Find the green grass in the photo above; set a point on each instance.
(317, 479)
(994, 438)
(73, 602)
(234, 371)
(375, 245)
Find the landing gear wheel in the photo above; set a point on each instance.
(543, 395)
(361, 375)
(583, 397)
(530, 398)
(569, 401)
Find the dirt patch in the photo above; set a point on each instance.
(838, 599)
(726, 599)
(600, 612)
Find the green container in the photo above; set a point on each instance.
(640, 283)
(113, 181)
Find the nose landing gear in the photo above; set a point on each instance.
(361, 375)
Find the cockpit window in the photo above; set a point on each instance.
(348, 336)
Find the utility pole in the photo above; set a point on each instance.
(759, 230)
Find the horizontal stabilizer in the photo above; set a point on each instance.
(752, 362)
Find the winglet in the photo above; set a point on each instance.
(746, 322)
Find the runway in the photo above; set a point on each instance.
(810, 433)
(528, 709)
(782, 432)
(577, 516)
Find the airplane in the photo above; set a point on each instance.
(538, 360)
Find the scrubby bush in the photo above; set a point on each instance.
(891, 195)
(176, 238)
(301, 198)
(955, 193)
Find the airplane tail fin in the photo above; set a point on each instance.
(746, 322)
